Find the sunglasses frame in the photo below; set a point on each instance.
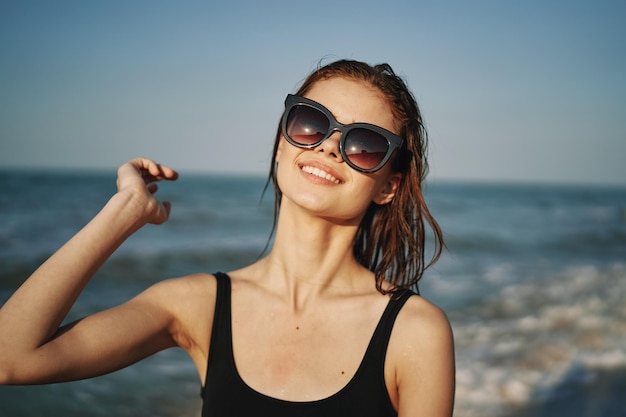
(393, 141)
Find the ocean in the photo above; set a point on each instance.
(533, 281)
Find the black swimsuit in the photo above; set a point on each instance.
(225, 394)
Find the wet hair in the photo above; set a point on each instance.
(391, 239)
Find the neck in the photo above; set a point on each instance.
(313, 257)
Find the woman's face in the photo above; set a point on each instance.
(318, 179)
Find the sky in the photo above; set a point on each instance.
(523, 91)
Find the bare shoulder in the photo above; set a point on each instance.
(181, 291)
(421, 333)
(421, 351)
(190, 303)
(421, 320)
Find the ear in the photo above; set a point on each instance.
(388, 189)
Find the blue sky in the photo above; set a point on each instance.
(510, 91)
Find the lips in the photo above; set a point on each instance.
(319, 173)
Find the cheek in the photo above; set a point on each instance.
(282, 168)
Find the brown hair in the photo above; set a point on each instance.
(391, 238)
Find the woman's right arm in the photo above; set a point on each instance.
(34, 349)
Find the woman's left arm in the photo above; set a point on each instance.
(425, 371)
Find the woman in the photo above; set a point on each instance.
(325, 324)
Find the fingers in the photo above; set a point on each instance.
(152, 188)
(152, 171)
(146, 169)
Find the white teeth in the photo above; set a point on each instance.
(319, 173)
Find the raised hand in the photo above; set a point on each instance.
(138, 177)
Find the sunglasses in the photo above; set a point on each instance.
(363, 146)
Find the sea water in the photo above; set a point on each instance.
(533, 280)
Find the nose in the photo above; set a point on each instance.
(330, 146)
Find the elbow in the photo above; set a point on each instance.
(16, 372)
(7, 376)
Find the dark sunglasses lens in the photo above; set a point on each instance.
(306, 125)
(365, 148)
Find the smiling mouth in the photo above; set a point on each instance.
(319, 173)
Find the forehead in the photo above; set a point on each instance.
(353, 101)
